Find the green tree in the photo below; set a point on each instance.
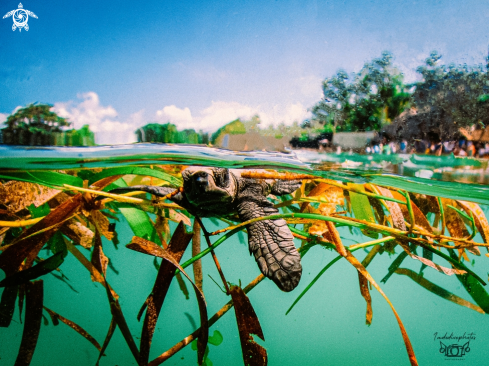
(81, 137)
(446, 99)
(365, 101)
(168, 133)
(33, 125)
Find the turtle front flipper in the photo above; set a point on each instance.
(271, 242)
(154, 190)
(157, 191)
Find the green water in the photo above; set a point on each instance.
(327, 327)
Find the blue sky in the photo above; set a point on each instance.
(118, 64)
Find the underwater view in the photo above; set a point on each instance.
(244, 183)
(133, 255)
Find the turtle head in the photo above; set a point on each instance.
(211, 187)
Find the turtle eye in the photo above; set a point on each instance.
(201, 178)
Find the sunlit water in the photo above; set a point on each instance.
(327, 327)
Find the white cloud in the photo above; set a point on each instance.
(295, 112)
(109, 129)
(175, 115)
(219, 113)
(286, 114)
(89, 111)
(102, 119)
(3, 117)
(310, 86)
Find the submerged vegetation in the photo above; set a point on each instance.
(68, 212)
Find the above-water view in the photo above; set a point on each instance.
(244, 183)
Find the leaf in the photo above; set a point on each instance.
(371, 254)
(21, 301)
(40, 211)
(459, 191)
(94, 273)
(456, 226)
(78, 232)
(473, 287)
(140, 224)
(182, 285)
(176, 248)
(28, 245)
(454, 222)
(172, 256)
(34, 272)
(55, 317)
(175, 216)
(313, 282)
(248, 324)
(17, 196)
(429, 263)
(118, 316)
(366, 295)
(57, 244)
(361, 208)
(334, 196)
(32, 323)
(99, 259)
(216, 338)
(378, 210)
(426, 203)
(108, 337)
(425, 261)
(160, 210)
(7, 305)
(419, 218)
(394, 208)
(104, 182)
(300, 220)
(479, 217)
(136, 171)
(102, 224)
(162, 227)
(44, 178)
(138, 221)
(437, 290)
(455, 262)
(364, 272)
(196, 249)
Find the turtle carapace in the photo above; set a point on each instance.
(217, 191)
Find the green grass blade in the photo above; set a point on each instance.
(136, 171)
(473, 287)
(362, 208)
(49, 179)
(139, 221)
(437, 290)
(313, 282)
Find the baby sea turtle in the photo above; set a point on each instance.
(217, 192)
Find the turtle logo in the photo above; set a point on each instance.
(20, 17)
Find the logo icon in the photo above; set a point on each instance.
(20, 17)
(454, 350)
